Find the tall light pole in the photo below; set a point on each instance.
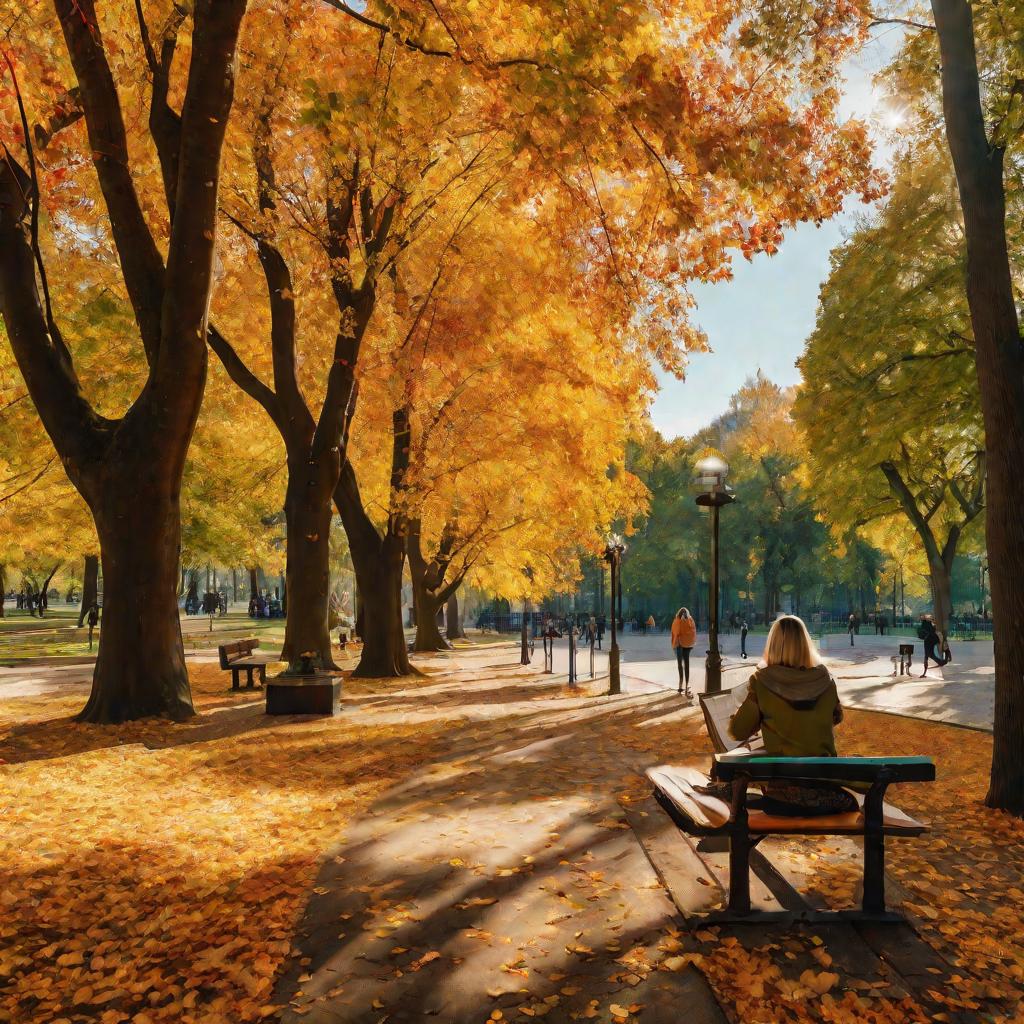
(712, 470)
(613, 556)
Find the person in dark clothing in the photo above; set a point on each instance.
(743, 639)
(934, 643)
(601, 624)
(92, 620)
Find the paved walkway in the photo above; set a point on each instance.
(502, 882)
(961, 693)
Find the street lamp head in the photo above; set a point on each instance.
(711, 469)
(614, 546)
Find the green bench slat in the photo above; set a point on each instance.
(852, 769)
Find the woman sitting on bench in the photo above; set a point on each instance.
(792, 699)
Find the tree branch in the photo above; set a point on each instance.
(242, 375)
(141, 263)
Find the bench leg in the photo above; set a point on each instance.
(739, 869)
(263, 675)
(874, 852)
(248, 678)
(234, 679)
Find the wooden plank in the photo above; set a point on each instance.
(698, 882)
(694, 889)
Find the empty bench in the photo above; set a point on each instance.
(745, 824)
(235, 657)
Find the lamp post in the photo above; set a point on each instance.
(712, 470)
(613, 552)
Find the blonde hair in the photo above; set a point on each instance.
(683, 613)
(790, 644)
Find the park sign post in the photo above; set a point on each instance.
(711, 471)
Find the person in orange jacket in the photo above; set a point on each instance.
(684, 636)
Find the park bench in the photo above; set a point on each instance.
(745, 824)
(239, 655)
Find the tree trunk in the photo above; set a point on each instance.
(44, 593)
(254, 582)
(524, 636)
(385, 652)
(1000, 365)
(90, 589)
(140, 668)
(428, 636)
(3, 588)
(941, 576)
(453, 624)
(307, 581)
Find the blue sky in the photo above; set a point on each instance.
(761, 318)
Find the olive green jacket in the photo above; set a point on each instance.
(795, 709)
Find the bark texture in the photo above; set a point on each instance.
(453, 618)
(978, 163)
(378, 558)
(435, 582)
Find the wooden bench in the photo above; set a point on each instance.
(746, 824)
(239, 655)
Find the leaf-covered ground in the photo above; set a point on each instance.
(455, 846)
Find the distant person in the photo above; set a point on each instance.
(744, 629)
(92, 620)
(684, 636)
(601, 625)
(651, 624)
(851, 627)
(934, 643)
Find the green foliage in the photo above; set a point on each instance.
(889, 380)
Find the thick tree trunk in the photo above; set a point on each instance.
(254, 582)
(44, 593)
(1000, 365)
(941, 576)
(385, 652)
(3, 588)
(524, 636)
(140, 669)
(428, 636)
(453, 623)
(90, 587)
(307, 582)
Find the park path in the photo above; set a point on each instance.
(962, 693)
(501, 882)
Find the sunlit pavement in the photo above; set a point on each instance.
(961, 693)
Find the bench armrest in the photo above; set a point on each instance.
(826, 769)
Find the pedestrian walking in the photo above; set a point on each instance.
(651, 624)
(934, 642)
(92, 619)
(684, 636)
(852, 627)
(743, 639)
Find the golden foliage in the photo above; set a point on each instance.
(179, 901)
